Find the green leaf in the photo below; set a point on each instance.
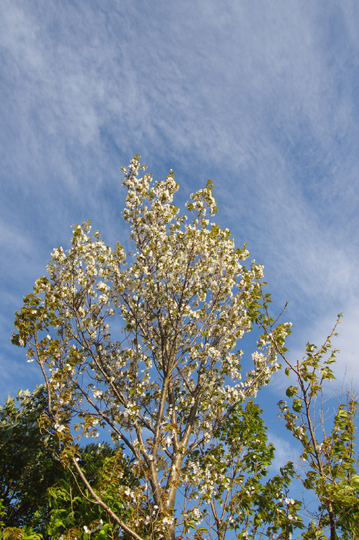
(291, 391)
(297, 405)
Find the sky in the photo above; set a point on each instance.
(261, 97)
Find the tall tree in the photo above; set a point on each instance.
(166, 379)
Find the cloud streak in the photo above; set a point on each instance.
(260, 98)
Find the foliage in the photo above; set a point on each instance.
(40, 498)
(27, 458)
(244, 503)
(331, 470)
(73, 514)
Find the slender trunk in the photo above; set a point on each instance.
(333, 535)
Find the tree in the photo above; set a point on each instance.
(71, 512)
(331, 465)
(27, 464)
(41, 498)
(167, 381)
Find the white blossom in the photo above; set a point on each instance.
(181, 302)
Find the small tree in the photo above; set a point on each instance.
(330, 462)
(166, 380)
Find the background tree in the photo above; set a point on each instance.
(41, 497)
(27, 458)
(246, 504)
(168, 377)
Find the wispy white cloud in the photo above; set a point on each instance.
(259, 97)
(346, 343)
(285, 451)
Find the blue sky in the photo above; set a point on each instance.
(261, 97)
